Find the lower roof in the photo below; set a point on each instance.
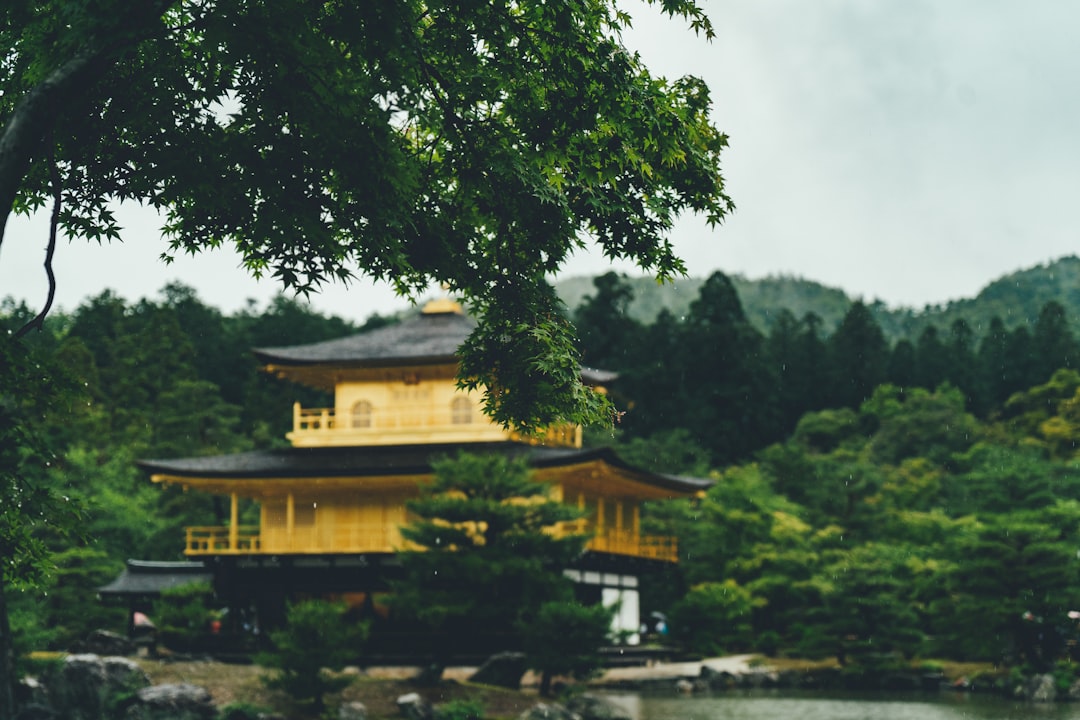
(368, 461)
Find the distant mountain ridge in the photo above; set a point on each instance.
(1016, 298)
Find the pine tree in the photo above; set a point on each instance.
(858, 355)
(487, 554)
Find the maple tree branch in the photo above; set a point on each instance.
(38, 320)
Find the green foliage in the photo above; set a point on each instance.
(487, 559)
(482, 164)
(183, 615)
(826, 430)
(78, 574)
(868, 600)
(29, 626)
(32, 511)
(604, 324)
(460, 710)
(858, 357)
(668, 451)
(918, 423)
(317, 637)
(564, 638)
(714, 618)
(242, 711)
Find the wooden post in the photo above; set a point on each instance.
(234, 519)
(290, 520)
(584, 521)
(636, 520)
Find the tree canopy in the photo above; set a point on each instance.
(475, 145)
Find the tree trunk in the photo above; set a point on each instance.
(545, 683)
(7, 660)
(32, 119)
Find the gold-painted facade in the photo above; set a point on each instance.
(364, 515)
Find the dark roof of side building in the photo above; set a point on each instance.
(369, 461)
(150, 578)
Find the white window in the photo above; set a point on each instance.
(461, 411)
(361, 414)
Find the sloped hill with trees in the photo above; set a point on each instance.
(1016, 298)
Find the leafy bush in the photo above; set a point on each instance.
(316, 638)
(565, 639)
(460, 710)
(183, 615)
(242, 711)
(768, 643)
(71, 608)
(713, 618)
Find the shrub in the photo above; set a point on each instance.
(183, 615)
(316, 638)
(460, 710)
(713, 618)
(242, 711)
(564, 638)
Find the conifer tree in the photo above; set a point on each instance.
(858, 356)
(486, 554)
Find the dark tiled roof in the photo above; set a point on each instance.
(392, 460)
(425, 338)
(145, 577)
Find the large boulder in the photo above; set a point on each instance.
(76, 687)
(594, 707)
(124, 675)
(171, 702)
(352, 711)
(414, 707)
(31, 691)
(1041, 688)
(84, 686)
(504, 669)
(104, 642)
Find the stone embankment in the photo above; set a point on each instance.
(748, 672)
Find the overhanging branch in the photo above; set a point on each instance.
(54, 222)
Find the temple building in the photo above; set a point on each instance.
(331, 506)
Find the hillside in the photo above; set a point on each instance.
(1017, 298)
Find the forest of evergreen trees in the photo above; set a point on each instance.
(917, 497)
(735, 390)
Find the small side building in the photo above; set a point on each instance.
(142, 582)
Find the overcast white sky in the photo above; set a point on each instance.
(903, 150)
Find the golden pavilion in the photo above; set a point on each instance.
(331, 505)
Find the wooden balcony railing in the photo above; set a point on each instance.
(412, 423)
(218, 540)
(624, 542)
(371, 538)
(347, 538)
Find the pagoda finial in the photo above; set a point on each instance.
(443, 304)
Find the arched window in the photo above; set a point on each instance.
(361, 414)
(461, 411)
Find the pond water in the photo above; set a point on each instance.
(785, 705)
